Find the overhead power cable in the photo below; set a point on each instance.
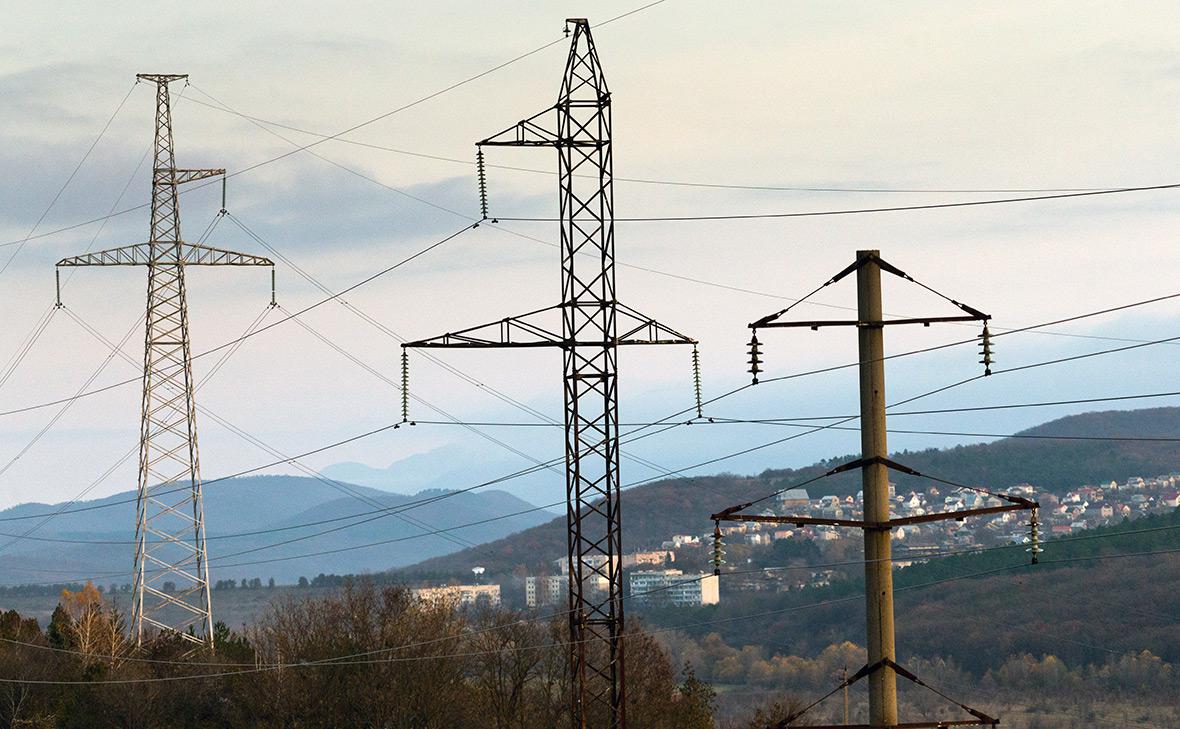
(832, 425)
(221, 106)
(340, 486)
(349, 130)
(863, 211)
(20, 244)
(727, 574)
(357, 658)
(666, 422)
(232, 342)
(654, 181)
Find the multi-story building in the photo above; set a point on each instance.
(545, 590)
(461, 595)
(657, 558)
(674, 587)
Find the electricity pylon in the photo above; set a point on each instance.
(171, 566)
(592, 327)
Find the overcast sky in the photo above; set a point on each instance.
(900, 96)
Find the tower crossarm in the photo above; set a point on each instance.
(185, 254)
(536, 131)
(179, 177)
(542, 328)
(1015, 503)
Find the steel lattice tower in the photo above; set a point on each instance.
(592, 326)
(170, 521)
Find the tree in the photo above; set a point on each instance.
(90, 627)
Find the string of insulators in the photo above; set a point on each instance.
(1034, 537)
(482, 174)
(755, 357)
(405, 386)
(718, 549)
(696, 378)
(985, 349)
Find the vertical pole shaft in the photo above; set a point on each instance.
(844, 677)
(878, 562)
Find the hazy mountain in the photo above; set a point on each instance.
(94, 538)
(449, 467)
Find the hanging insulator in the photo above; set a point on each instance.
(755, 357)
(483, 184)
(405, 386)
(1034, 537)
(985, 349)
(696, 378)
(718, 549)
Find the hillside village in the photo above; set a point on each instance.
(677, 572)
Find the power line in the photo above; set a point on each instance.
(21, 243)
(863, 211)
(664, 422)
(232, 342)
(349, 130)
(656, 181)
(349, 659)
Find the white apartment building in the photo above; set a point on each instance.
(461, 595)
(545, 590)
(673, 587)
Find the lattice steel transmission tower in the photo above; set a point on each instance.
(588, 326)
(171, 590)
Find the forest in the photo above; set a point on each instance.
(366, 656)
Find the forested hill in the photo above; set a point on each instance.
(1054, 457)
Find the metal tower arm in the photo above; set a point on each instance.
(542, 328)
(179, 177)
(190, 254)
(536, 131)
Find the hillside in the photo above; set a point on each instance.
(653, 512)
(244, 516)
(979, 609)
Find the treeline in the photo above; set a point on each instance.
(361, 656)
(1133, 675)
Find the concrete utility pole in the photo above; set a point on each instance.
(878, 562)
(844, 679)
(874, 464)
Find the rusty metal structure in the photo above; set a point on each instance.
(882, 668)
(171, 583)
(588, 326)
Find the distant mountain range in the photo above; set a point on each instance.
(244, 516)
(448, 467)
(1054, 457)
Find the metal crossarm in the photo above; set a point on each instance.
(186, 254)
(771, 321)
(171, 590)
(539, 329)
(978, 717)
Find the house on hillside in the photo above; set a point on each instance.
(794, 500)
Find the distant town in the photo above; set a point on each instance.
(677, 572)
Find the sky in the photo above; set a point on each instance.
(945, 98)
